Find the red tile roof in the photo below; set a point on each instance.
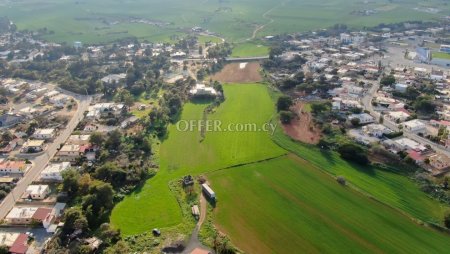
(20, 245)
(41, 213)
(416, 156)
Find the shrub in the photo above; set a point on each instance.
(355, 153)
(341, 180)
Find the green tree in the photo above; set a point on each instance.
(387, 80)
(120, 247)
(70, 182)
(447, 220)
(352, 152)
(97, 138)
(114, 140)
(284, 103)
(4, 249)
(286, 117)
(355, 121)
(73, 219)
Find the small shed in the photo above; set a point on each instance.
(195, 211)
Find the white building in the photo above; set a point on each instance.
(13, 167)
(202, 90)
(69, 153)
(33, 146)
(415, 126)
(36, 192)
(79, 139)
(376, 130)
(397, 116)
(401, 88)
(53, 172)
(45, 134)
(409, 144)
(364, 118)
(59, 100)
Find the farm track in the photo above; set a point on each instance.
(270, 21)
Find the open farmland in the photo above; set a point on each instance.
(184, 152)
(389, 187)
(249, 49)
(286, 205)
(239, 72)
(157, 20)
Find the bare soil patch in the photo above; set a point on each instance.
(234, 73)
(302, 128)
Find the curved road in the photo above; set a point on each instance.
(39, 162)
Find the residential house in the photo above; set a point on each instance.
(363, 118)
(53, 172)
(20, 245)
(105, 110)
(10, 146)
(437, 75)
(79, 139)
(415, 126)
(10, 119)
(26, 215)
(13, 167)
(90, 128)
(202, 90)
(45, 134)
(401, 87)
(33, 146)
(397, 116)
(409, 144)
(69, 153)
(376, 130)
(416, 156)
(439, 161)
(59, 100)
(8, 238)
(36, 192)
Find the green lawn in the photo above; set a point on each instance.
(183, 153)
(441, 55)
(103, 20)
(286, 205)
(249, 49)
(389, 187)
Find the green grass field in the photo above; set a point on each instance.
(102, 20)
(277, 203)
(391, 188)
(183, 153)
(249, 49)
(286, 205)
(441, 55)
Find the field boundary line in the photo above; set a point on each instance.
(247, 163)
(418, 221)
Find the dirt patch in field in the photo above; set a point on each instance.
(239, 73)
(302, 128)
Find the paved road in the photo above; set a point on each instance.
(41, 161)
